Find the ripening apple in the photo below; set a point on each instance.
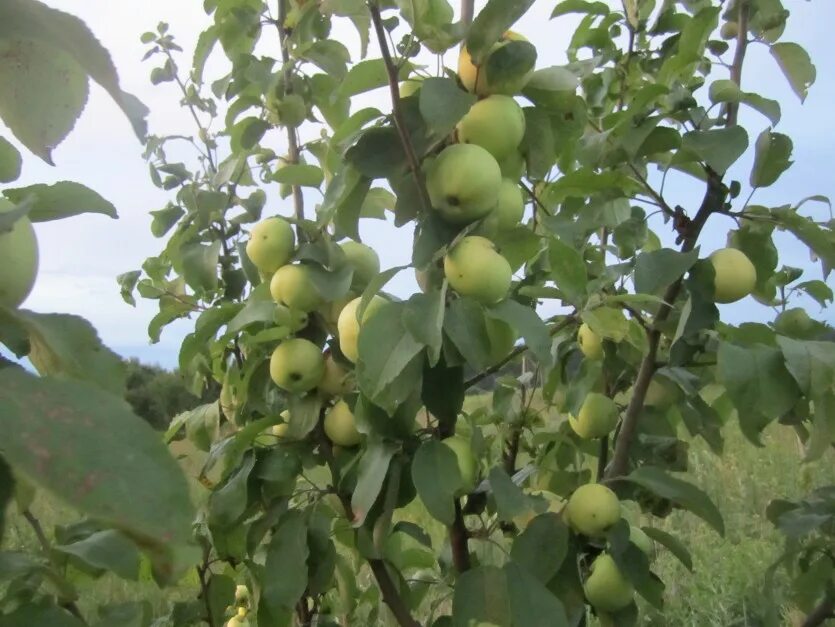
(502, 339)
(337, 380)
(795, 323)
(349, 327)
(496, 123)
(297, 365)
(597, 417)
(463, 183)
(474, 78)
(341, 427)
(729, 30)
(236, 621)
(592, 509)
(662, 393)
(271, 244)
(508, 212)
(474, 268)
(291, 285)
(467, 463)
(735, 275)
(18, 260)
(590, 343)
(606, 588)
(365, 261)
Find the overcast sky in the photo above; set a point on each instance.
(80, 257)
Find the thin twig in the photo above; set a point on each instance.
(535, 198)
(397, 112)
(467, 10)
(739, 57)
(292, 139)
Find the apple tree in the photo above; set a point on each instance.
(344, 478)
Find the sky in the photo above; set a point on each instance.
(81, 256)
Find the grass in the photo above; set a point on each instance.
(725, 588)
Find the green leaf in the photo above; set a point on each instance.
(679, 492)
(304, 415)
(821, 241)
(10, 162)
(437, 478)
(568, 270)
(518, 245)
(368, 75)
(377, 153)
(658, 269)
(109, 550)
(39, 616)
(23, 19)
(491, 23)
(531, 603)
(443, 104)
(300, 174)
(529, 325)
(482, 596)
(423, 317)
(672, 544)
(373, 467)
(377, 202)
(284, 577)
(246, 134)
(254, 311)
(718, 148)
(772, 158)
(343, 201)
(538, 144)
(128, 614)
(66, 346)
(165, 219)
(580, 6)
(510, 500)
(465, 326)
(818, 290)
(44, 93)
(769, 108)
(227, 503)
(329, 55)
(198, 264)
(88, 449)
(542, 547)
(607, 322)
(390, 359)
(60, 200)
(796, 65)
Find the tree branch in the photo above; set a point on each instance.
(292, 139)
(459, 537)
(397, 112)
(824, 610)
(739, 57)
(467, 10)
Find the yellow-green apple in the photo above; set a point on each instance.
(463, 183)
(508, 211)
(592, 509)
(590, 343)
(364, 260)
(474, 268)
(474, 78)
(236, 621)
(330, 311)
(297, 365)
(271, 244)
(18, 260)
(349, 326)
(513, 166)
(796, 323)
(291, 285)
(337, 380)
(606, 588)
(735, 275)
(662, 393)
(467, 463)
(729, 30)
(597, 417)
(496, 123)
(340, 426)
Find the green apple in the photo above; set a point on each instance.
(590, 343)
(735, 276)
(513, 166)
(294, 319)
(502, 339)
(496, 123)
(729, 30)
(467, 463)
(508, 212)
(640, 539)
(795, 323)
(597, 417)
(349, 327)
(463, 183)
(410, 87)
(297, 365)
(662, 393)
(340, 426)
(606, 588)
(291, 285)
(474, 78)
(271, 244)
(365, 261)
(236, 621)
(337, 380)
(592, 509)
(18, 260)
(474, 268)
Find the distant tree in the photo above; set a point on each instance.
(157, 395)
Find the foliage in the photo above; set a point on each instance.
(314, 530)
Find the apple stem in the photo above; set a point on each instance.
(292, 139)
